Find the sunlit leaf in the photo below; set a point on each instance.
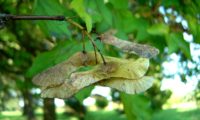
(194, 27)
(134, 104)
(158, 29)
(79, 7)
(176, 41)
(172, 43)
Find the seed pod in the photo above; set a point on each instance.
(62, 80)
(115, 68)
(64, 90)
(127, 46)
(57, 74)
(130, 86)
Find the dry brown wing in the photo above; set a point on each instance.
(127, 46)
(57, 74)
(64, 90)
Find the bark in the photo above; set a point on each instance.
(28, 109)
(49, 109)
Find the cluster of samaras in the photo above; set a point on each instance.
(127, 75)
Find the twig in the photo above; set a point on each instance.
(95, 52)
(93, 43)
(83, 39)
(30, 17)
(74, 23)
(90, 38)
(6, 17)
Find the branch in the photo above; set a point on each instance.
(89, 36)
(7, 17)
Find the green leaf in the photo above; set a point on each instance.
(91, 8)
(125, 23)
(176, 41)
(62, 51)
(78, 6)
(172, 44)
(119, 4)
(118, 20)
(140, 25)
(136, 107)
(158, 41)
(47, 59)
(126, 19)
(84, 93)
(194, 28)
(158, 29)
(104, 115)
(51, 28)
(104, 11)
(170, 3)
(185, 47)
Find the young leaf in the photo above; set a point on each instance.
(79, 7)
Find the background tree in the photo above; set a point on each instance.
(29, 47)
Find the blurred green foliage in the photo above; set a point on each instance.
(29, 47)
(171, 114)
